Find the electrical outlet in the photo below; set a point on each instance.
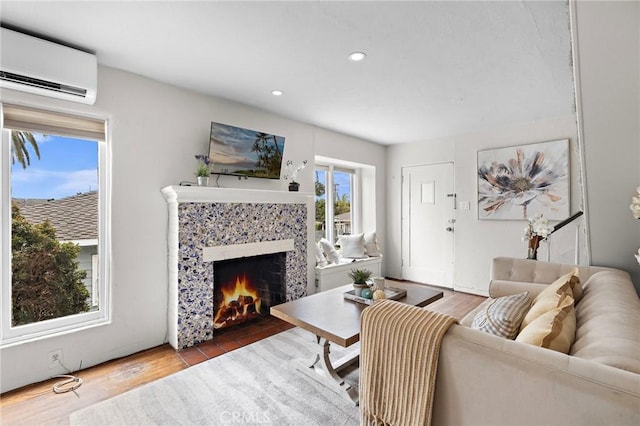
(55, 358)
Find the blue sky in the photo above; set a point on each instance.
(342, 180)
(66, 166)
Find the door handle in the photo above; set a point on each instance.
(449, 229)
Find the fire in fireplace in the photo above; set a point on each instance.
(239, 302)
(245, 288)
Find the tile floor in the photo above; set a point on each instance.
(226, 340)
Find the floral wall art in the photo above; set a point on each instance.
(520, 182)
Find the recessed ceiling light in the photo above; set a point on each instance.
(277, 92)
(357, 56)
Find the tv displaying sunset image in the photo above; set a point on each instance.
(237, 151)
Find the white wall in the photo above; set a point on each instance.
(478, 241)
(608, 43)
(156, 130)
(398, 156)
(608, 61)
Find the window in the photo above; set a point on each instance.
(55, 242)
(337, 202)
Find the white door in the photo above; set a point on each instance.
(428, 203)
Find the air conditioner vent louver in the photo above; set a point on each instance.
(43, 84)
(33, 65)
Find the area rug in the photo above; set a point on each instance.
(252, 385)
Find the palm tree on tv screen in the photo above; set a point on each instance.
(269, 155)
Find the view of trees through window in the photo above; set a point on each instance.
(340, 194)
(321, 203)
(54, 226)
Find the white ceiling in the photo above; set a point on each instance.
(433, 69)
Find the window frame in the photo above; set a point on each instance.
(95, 280)
(356, 200)
(10, 335)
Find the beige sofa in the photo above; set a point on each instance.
(483, 379)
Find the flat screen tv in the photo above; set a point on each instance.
(243, 152)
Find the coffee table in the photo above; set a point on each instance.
(333, 319)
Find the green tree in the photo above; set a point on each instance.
(320, 188)
(342, 205)
(19, 143)
(46, 282)
(269, 155)
(320, 210)
(320, 203)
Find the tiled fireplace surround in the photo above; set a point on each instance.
(208, 224)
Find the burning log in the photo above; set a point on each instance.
(239, 303)
(251, 309)
(245, 300)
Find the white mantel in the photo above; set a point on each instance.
(235, 251)
(187, 320)
(198, 194)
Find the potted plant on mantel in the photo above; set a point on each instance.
(359, 277)
(204, 170)
(202, 173)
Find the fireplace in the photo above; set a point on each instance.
(245, 288)
(211, 225)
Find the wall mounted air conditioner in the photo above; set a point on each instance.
(33, 65)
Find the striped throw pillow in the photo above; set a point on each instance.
(503, 315)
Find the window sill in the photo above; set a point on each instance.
(52, 333)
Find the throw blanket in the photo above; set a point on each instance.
(399, 348)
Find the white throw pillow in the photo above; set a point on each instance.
(321, 261)
(371, 244)
(352, 246)
(329, 251)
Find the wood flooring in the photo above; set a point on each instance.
(37, 404)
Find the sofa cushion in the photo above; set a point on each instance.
(499, 288)
(502, 316)
(467, 319)
(550, 297)
(554, 329)
(608, 322)
(352, 246)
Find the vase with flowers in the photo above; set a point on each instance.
(204, 170)
(537, 230)
(291, 172)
